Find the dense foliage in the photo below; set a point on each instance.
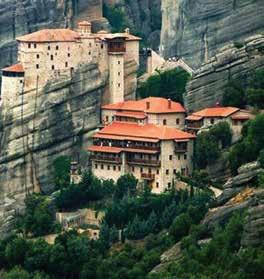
(250, 146)
(38, 218)
(219, 258)
(240, 93)
(168, 84)
(209, 144)
(61, 171)
(116, 18)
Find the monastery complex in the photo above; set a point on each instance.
(152, 138)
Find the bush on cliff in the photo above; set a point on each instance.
(168, 84)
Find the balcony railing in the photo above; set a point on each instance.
(133, 161)
(154, 148)
(106, 159)
(148, 176)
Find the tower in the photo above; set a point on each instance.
(84, 28)
(116, 51)
(12, 85)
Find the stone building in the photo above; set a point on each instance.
(152, 153)
(207, 117)
(51, 54)
(152, 110)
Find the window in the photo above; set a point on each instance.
(119, 84)
(57, 47)
(21, 81)
(102, 167)
(37, 66)
(108, 167)
(119, 73)
(212, 121)
(113, 118)
(51, 57)
(66, 64)
(164, 122)
(96, 166)
(48, 47)
(52, 67)
(185, 156)
(29, 45)
(133, 169)
(114, 168)
(174, 171)
(90, 44)
(118, 62)
(89, 52)
(102, 46)
(169, 185)
(141, 170)
(37, 56)
(177, 121)
(170, 157)
(167, 172)
(119, 168)
(157, 171)
(69, 55)
(179, 157)
(35, 45)
(149, 170)
(157, 184)
(107, 118)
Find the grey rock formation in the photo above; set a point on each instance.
(207, 85)
(246, 174)
(253, 234)
(144, 16)
(55, 120)
(18, 17)
(196, 30)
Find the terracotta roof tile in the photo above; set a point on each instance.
(105, 149)
(148, 131)
(216, 112)
(156, 105)
(17, 68)
(133, 114)
(50, 35)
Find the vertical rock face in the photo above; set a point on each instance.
(196, 30)
(207, 85)
(18, 17)
(42, 125)
(145, 16)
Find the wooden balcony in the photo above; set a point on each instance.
(144, 162)
(148, 176)
(106, 159)
(180, 150)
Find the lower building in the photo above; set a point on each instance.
(152, 153)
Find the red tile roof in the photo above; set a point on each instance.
(105, 149)
(148, 131)
(114, 137)
(215, 112)
(50, 35)
(18, 68)
(156, 105)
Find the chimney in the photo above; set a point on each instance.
(147, 105)
(217, 104)
(127, 30)
(169, 103)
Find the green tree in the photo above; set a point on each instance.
(17, 273)
(125, 185)
(168, 84)
(234, 94)
(61, 171)
(180, 226)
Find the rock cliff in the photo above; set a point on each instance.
(208, 83)
(144, 16)
(196, 30)
(43, 124)
(18, 17)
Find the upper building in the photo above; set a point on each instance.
(49, 54)
(209, 116)
(152, 153)
(152, 110)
